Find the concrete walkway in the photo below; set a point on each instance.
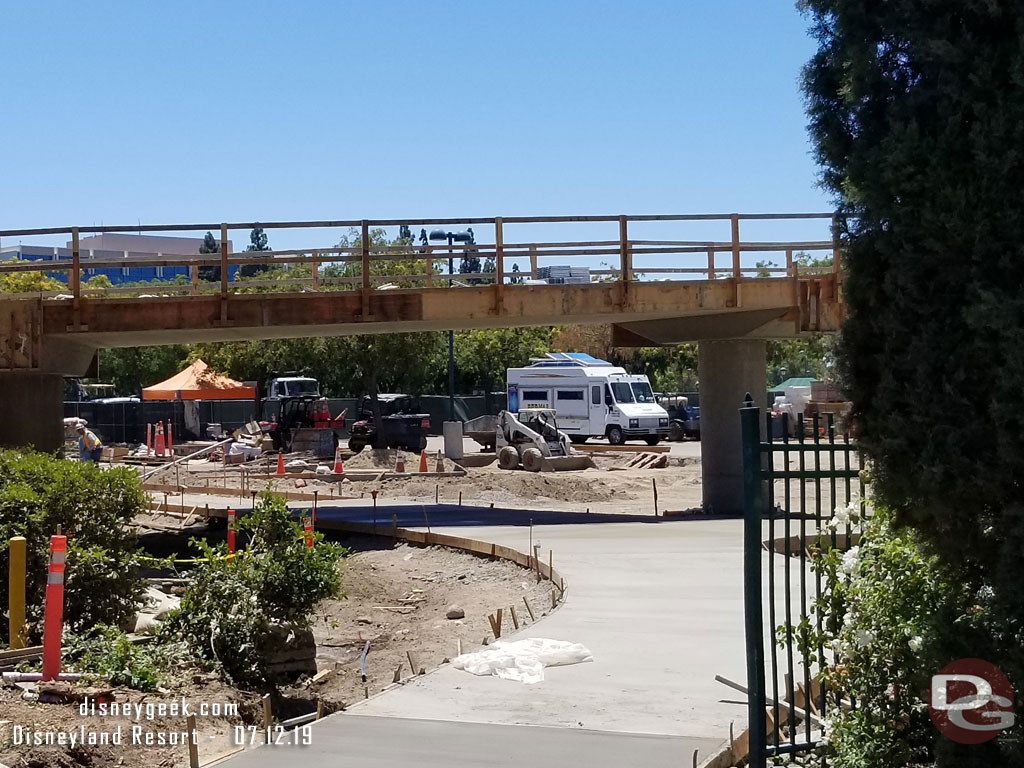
(660, 607)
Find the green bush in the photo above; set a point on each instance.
(228, 610)
(108, 653)
(891, 616)
(93, 508)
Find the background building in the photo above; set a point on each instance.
(110, 247)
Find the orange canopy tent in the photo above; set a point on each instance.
(199, 382)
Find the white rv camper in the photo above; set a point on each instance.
(591, 398)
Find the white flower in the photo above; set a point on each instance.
(915, 643)
(849, 561)
(865, 637)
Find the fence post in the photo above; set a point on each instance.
(624, 266)
(365, 268)
(499, 265)
(753, 619)
(316, 271)
(16, 593)
(736, 271)
(223, 261)
(711, 262)
(53, 614)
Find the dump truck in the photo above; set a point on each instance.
(532, 441)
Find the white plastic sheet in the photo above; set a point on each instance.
(522, 660)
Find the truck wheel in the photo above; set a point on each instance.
(615, 436)
(508, 458)
(532, 460)
(676, 433)
(423, 442)
(355, 445)
(578, 439)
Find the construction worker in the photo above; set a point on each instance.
(89, 446)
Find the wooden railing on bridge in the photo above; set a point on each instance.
(362, 264)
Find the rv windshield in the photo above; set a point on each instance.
(643, 392)
(622, 392)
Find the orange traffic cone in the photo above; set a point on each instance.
(339, 468)
(423, 460)
(439, 467)
(399, 463)
(280, 462)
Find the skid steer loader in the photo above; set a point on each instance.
(531, 440)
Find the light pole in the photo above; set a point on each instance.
(462, 237)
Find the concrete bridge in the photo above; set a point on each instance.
(719, 292)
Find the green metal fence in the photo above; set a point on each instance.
(792, 487)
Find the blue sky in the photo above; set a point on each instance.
(212, 111)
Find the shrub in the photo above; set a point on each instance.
(94, 508)
(228, 610)
(108, 653)
(891, 616)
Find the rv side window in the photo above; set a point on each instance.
(535, 395)
(595, 396)
(569, 394)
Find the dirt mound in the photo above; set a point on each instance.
(587, 486)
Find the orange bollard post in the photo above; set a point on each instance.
(307, 529)
(170, 438)
(423, 460)
(231, 531)
(280, 462)
(158, 446)
(53, 615)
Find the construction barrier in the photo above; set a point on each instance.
(231, 530)
(53, 615)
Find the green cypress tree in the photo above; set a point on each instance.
(917, 114)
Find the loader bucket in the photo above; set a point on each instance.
(567, 463)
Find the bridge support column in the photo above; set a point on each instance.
(31, 410)
(728, 370)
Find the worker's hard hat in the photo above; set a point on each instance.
(80, 427)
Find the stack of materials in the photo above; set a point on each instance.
(562, 275)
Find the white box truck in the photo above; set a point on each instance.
(591, 398)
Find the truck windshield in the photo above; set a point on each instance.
(301, 387)
(622, 392)
(643, 392)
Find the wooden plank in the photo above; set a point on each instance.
(600, 448)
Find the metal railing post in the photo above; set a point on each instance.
(711, 263)
(753, 505)
(316, 271)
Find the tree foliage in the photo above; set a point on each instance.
(130, 369)
(481, 356)
(29, 282)
(917, 114)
